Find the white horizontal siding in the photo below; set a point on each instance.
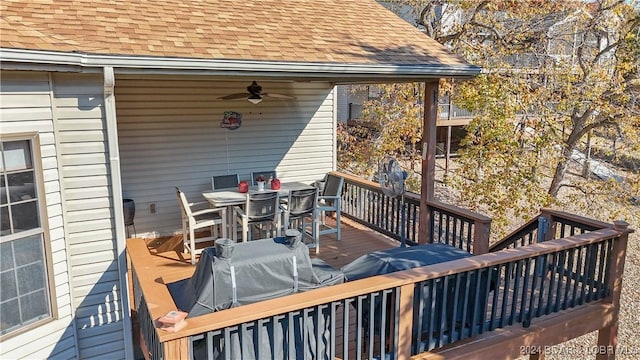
(169, 135)
(78, 107)
(25, 106)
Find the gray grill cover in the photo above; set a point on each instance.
(401, 258)
(264, 269)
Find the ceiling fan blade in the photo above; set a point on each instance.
(278, 96)
(234, 96)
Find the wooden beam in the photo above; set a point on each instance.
(405, 321)
(608, 336)
(427, 187)
(461, 121)
(515, 341)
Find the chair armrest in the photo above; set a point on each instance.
(238, 210)
(328, 197)
(198, 203)
(208, 211)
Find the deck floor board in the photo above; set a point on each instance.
(171, 264)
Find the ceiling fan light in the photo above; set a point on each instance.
(254, 99)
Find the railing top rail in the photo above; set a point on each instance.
(156, 294)
(298, 301)
(520, 231)
(459, 211)
(416, 197)
(575, 218)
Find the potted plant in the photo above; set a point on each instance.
(275, 184)
(260, 181)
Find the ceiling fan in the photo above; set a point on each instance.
(254, 94)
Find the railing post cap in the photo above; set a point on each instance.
(620, 225)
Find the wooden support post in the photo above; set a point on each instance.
(553, 225)
(427, 187)
(177, 349)
(608, 336)
(481, 232)
(405, 321)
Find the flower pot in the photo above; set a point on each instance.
(275, 184)
(243, 187)
(260, 185)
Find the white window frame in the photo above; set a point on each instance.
(42, 230)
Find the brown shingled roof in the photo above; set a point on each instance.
(316, 31)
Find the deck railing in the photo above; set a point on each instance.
(364, 202)
(549, 224)
(403, 313)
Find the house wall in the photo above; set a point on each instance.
(67, 110)
(169, 135)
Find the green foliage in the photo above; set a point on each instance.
(393, 126)
(554, 72)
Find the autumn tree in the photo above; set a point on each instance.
(393, 127)
(554, 73)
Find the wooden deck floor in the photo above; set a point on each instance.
(171, 264)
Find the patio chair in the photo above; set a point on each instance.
(329, 201)
(260, 209)
(194, 219)
(225, 181)
(268, 176)
(302, 204)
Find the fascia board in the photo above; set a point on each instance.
(168, 65)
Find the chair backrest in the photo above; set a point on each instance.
(224, 181)
(268, 176)
(302, 202)
(262, 206)
(332, 186)
(184, 204)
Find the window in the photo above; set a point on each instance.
(24, 273)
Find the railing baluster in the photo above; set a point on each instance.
(577, 278)
(346, 303)
(505, 294)
(493, 275)
(444, 304)
(541, 273)
(568, 278)
(587, 281)
(319, 324)
(525, 289)
(516, 289)
(371, 318)
(476, 304)
(291, 334)
(600, 285)
(332, 327)
(552, 282)
(454, 315)
(465, 303)
(383, 323)
(209, 342)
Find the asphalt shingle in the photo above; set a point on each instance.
(317, 31)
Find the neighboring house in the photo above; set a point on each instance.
(104, 100)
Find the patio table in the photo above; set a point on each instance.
(233, 197)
